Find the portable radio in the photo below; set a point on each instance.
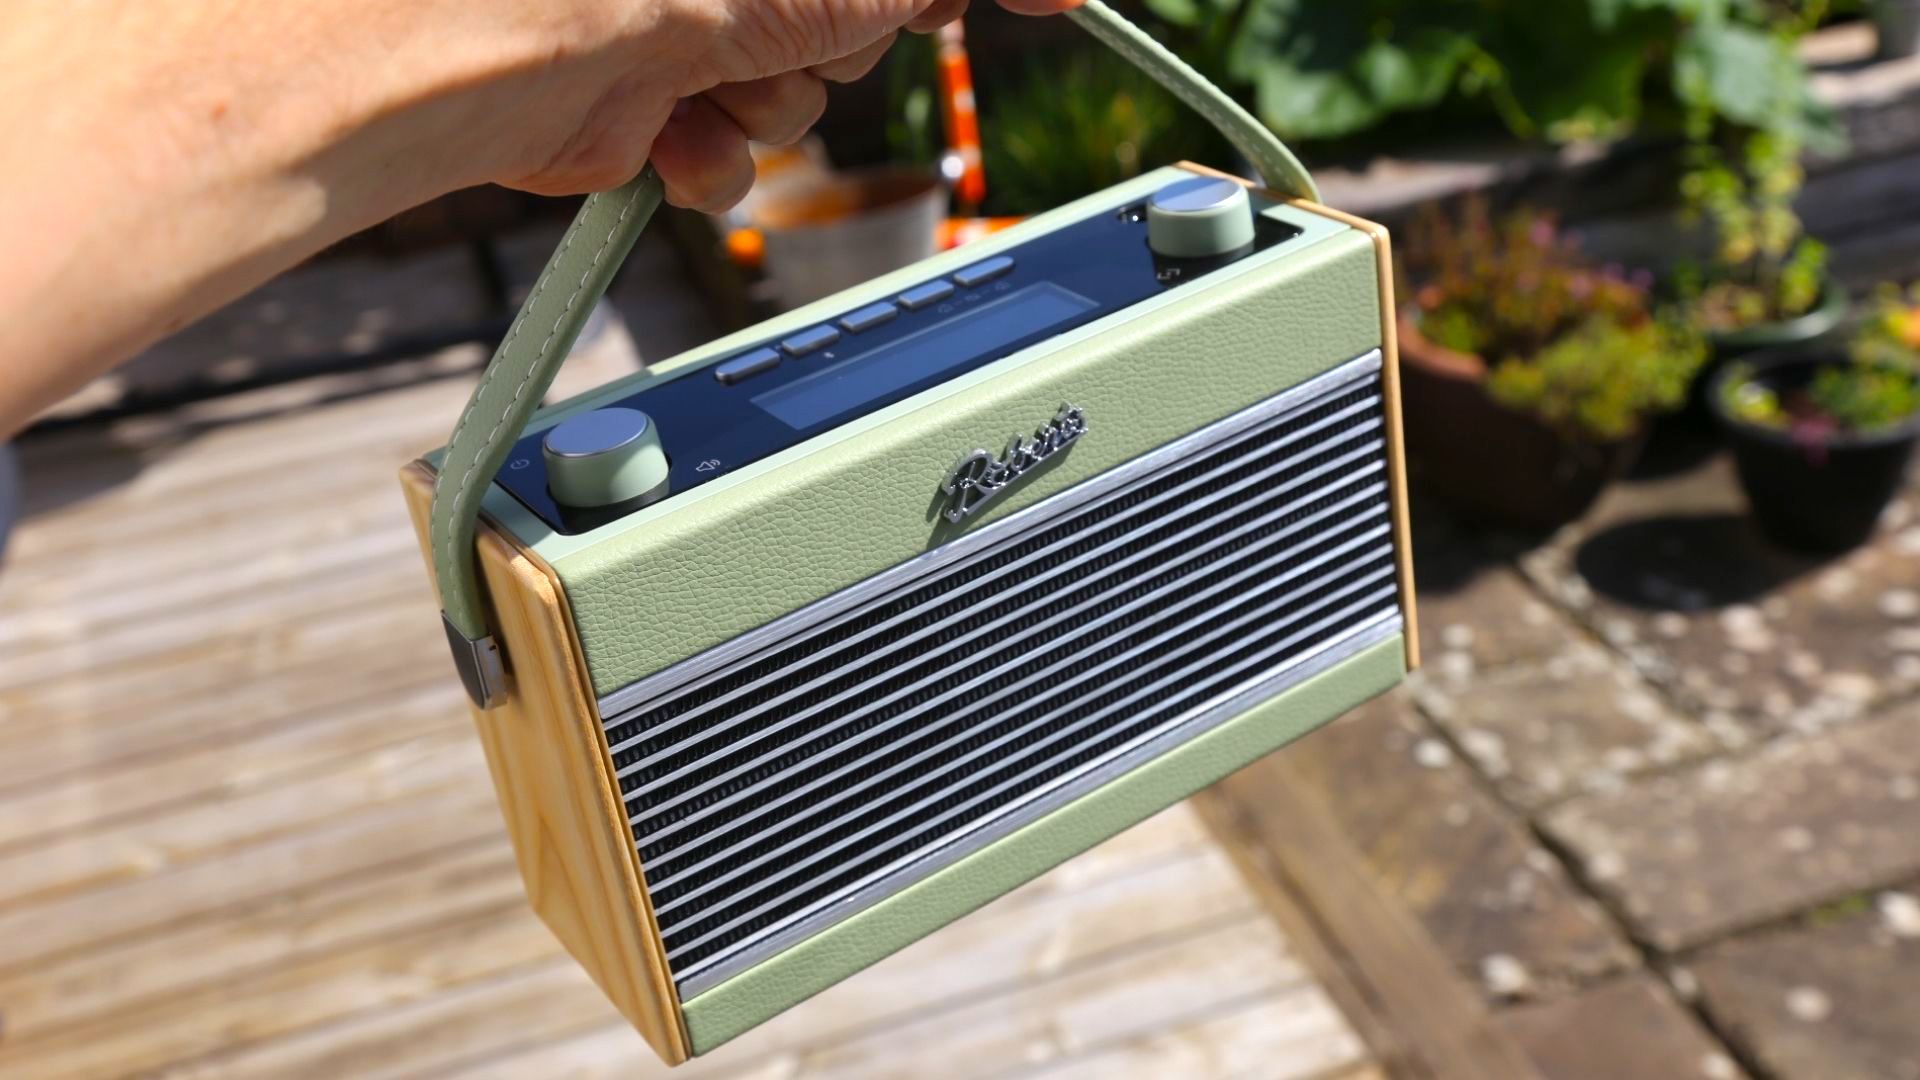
(788, 654)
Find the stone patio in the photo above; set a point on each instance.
(1657, 791)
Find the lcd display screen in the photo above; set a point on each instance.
(852, 382)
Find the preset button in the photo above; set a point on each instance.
(925, 295)
(810, 340)
(745, 366)
(984, 270)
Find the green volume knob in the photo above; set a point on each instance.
(1199, 218)
(604, 457)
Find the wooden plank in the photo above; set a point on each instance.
(108, 587)
(63, 653)
(284, 754)
(483, 1017)
(351, 841)
(1104, 1005)
(290, 997)
(1414, 1011)
(1122, 998)
(312, 920)
(149, 843)
(108, 737)
(1296, 1034)
(554, 776)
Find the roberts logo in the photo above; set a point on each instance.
(979, 476)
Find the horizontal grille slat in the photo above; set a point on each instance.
(666, 845)
(670, 891)
(932, 677)
(656, 721)
(776, 785)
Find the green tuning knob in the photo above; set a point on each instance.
(604, 457)
(1199, 218)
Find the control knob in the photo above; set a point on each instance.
(1198, 218)
(604, 457)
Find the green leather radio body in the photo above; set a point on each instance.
(798, 646)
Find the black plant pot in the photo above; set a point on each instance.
(1822, 495)
(1688, 436)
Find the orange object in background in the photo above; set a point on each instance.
(963, 123)
(747, 247)
(957, 231)
(962, 166)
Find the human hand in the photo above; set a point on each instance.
(163, 159)
(743, 70)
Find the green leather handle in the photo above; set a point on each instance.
(578, 274)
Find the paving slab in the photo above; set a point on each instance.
(1837, 998)
(1629, 1026)
(1477, 614)
(1581, 722)
(1717, 847)
(1495, 902)
(1750, 637)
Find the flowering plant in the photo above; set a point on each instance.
(1575, 345)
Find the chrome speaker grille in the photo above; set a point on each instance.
(786, 779)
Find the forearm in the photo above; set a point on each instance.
(162, 157)
(204, 153)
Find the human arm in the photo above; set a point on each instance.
(162, 159)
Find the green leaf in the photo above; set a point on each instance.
(1185, 12)
(1598, 91)
(1746, 75)
(1414, 73)
(1314, 104)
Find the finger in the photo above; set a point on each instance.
(938, 14)
(776, 110)
(702, 157)
(855, 64)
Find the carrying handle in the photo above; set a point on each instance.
(579, 272)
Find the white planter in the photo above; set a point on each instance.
(825, 233)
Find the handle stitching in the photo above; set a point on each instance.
(462, 490)
(1122, 39)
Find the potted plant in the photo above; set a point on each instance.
(1766, 285)
(1530, 375)
(1822, 439)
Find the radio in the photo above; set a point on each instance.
(792, 649)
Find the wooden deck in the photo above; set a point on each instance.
(245, 829)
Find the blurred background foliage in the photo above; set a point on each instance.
(1342, 77)
(1558, 69)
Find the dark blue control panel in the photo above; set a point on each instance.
(782, 391)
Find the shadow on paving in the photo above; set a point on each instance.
(1721, 558)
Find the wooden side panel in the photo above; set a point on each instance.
(554, 777)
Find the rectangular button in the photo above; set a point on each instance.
(810, 340)
(868, 317)
(984, 270)
(746, 365)
(922, 295)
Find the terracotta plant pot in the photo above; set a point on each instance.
(1817, 495)
(1488, 462)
